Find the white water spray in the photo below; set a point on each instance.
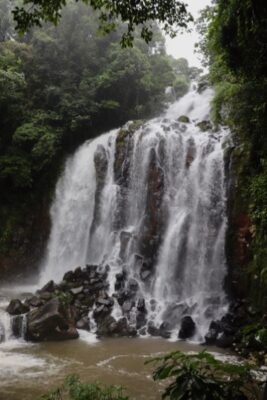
(171, 187)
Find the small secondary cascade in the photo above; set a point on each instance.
(11, 324)
(149, 201)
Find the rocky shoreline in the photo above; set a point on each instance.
(81, 301)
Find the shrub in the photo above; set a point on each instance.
(74, 389)
(202, 377)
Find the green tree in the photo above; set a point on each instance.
(234, 45)
(171, 14)
(202, 377)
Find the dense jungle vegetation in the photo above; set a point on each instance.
(234, 47)
(60, 86)
(57, 84)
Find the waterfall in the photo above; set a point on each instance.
(149, 201)
(11, 327)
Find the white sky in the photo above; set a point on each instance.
(183, 44)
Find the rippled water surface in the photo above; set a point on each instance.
(28, 371)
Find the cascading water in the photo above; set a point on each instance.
(149, 202)
(10, 325)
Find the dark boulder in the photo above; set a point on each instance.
(145, 274)
(141, 305)
(132, 285)
(165, 330)
(101, 311)
(142, 331)
(16, 307)
(153, 304)
(77, 290)
(204, 126)
(49, 287)
(2, 333)
(124, 329)
(78, 273)
(69, 276)
(120, 281)
(191, 153)
(141, 320)
(211, 337)
(184, 119)
(224, 341)
(35, 301)
(188, 328)
(18, 326)
(106, 326)
(152, 329)
(46, 296)
(110, 327)
(125, 241)
(127, 306)
(215, 330)
(107, 301)
(149, 237)
(83, 323)
(52, 321)
(123, 295)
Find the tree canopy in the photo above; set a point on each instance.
(60, 85)
(234, 46)
(172, 14)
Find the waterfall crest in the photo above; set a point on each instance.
(149, 201)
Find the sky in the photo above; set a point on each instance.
(183, 44)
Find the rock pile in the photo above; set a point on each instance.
(56, 311)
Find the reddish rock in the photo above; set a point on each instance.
(150, 236)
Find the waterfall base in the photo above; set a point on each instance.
(84, 300)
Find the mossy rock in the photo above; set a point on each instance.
(135, 125)
(123, 149)
(184, 119)
(204, 126)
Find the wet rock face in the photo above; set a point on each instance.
(16, 307)
(65, 306)
(191, 153)
(124, 147)
(83, 323)
(52, 321)
(188, 328)
(184, 118)
(17, 326)
(101, 169)
(229, 332)
(125, 243)
(56, 311)
(204, 126)
(238, 250)
(112, 328)
(123, 154)
(150, 235)
(101, 165)
(2, 333)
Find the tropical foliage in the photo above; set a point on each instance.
(234, 46)
(197, 376)
(171, 14)
(202, 377)
(74, 389)
(60, 86)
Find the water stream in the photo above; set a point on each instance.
(160, 213)
(151, 204)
